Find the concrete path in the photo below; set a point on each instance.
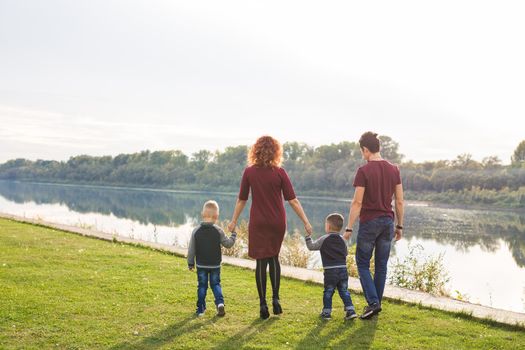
(391, 292)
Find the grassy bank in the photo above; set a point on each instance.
(64, 291)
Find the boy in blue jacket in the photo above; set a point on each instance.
(333, 249)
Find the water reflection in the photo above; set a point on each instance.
(459, 228)
(147, 206)
(464, 229)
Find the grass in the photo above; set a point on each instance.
(63, 291)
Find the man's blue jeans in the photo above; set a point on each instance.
(377, 233)
(214, 277)
(336, 279)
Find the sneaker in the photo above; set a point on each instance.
(200, 311)
(325, 315)
(264, 313)
(370, 311)
(277, 309)
(220, 310)
(350, 315)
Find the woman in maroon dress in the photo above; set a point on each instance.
(269, 184)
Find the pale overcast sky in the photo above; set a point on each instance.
(106, 77)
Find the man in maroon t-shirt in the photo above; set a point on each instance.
(375, 184)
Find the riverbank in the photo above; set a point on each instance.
(67, 291)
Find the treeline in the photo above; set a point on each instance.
(323, 170)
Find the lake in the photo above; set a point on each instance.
(483, 251)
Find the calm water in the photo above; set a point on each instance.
(484, 251)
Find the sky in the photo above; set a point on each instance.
(107, 77)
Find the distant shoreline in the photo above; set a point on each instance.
(327, 197)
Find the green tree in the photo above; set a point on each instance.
(390, 149)
(465, 161)
(296, 151)
(491, 162)
(518, 158)
(200, 159)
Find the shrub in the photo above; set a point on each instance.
(351, 264)
(418, 272)
(294, 251)
(240, 248)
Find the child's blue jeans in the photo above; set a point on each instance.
(214, 277)
(336, 279)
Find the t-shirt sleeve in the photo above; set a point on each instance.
(287, 187)
(244, 191)
(359, 179)
(398, 176)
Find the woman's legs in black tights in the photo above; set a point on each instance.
(275, 278)
(260, 279)
(275, 275)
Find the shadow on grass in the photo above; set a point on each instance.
(165, 336)
(170, 334)
(246, 334)
(362, 338)
(356, 334)
(313, 338)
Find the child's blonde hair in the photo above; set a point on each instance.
(210, 209)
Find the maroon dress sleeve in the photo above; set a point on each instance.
(360, 180)
(244, 191)
(287, 187)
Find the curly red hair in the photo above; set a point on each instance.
(266, 151)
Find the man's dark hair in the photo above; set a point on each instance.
(369, 140)
(335, 221)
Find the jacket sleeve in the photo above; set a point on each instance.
(315, 245)
(191, 250)
(226, 241)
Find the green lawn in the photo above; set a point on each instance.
(62, 291)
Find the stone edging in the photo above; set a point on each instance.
(391, 292)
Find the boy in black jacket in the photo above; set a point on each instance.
(205, 247)
(333, 254)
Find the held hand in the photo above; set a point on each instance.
(398, 234)
(347, 235)
(309, 229)
(231, 226)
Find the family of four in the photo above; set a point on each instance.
(376, 184)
